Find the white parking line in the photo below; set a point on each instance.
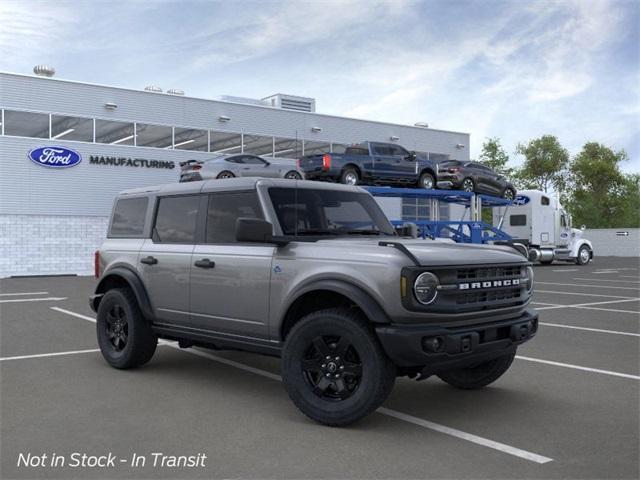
(517, 452)
(588, 286)
(579, 294)
(74, 314)
(23, 293)
(598, 330)
(45, 299)
(567, 270)
(628, 276)
(606, 280)
(55, 354)
(590, 305)
(579, 367)
(632, 312)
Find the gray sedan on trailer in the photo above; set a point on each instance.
(241, 165)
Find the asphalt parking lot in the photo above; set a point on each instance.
(568, 408)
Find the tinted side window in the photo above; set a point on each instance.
(356, 151)
(176, 219)
(518, 220)
(224, 209)
(128, 217)
(253, 160)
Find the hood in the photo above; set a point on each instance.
(433, 252)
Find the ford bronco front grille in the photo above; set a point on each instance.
(489, 272)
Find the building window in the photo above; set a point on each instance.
(415, 209)
(316, 148)
(157, 136)
(287, 148)
(190, 139)
(258, 145)
(225, 143)
(114, 133)
(71, 128)
(26, 124)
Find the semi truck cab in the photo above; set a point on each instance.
(539, 221)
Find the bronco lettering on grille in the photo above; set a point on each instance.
(514, 282)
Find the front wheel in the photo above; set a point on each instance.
(584, 255)
(124, 335)
(334, 368)
(468, 185)
(480, 375)
(293, 175)
(509, 194)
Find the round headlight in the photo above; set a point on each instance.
(425, 288)
(529, 279)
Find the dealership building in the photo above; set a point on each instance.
(53, 219)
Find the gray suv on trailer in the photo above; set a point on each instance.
(311, 272)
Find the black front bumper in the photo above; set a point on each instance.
(440, 348)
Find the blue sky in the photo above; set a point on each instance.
(514, 69)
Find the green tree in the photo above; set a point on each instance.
(494, 156)
(545, 164)
(600, 195)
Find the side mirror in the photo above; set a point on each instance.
(412, 156)
(256, 230)
(266, 164)
(408, 229)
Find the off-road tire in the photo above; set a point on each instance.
(377, 372)
(425, 178)
(225, 174)
(480, 375)
(141, 342)
(347, 174)
(579, 258)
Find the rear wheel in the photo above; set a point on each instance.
(293, 175)
(427, 181)
(468, 185)
(225, 174)
(584, 255)
(349, 176)
(125, 337)
(480, 375)
(334, 368)
(509, 194)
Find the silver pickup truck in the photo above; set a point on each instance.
(311, 272)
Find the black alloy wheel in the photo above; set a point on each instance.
(117, 327)
(509, 194)
(225, 174)
(332, 367)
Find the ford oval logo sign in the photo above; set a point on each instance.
(55, 157)
(521, 200)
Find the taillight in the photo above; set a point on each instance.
(454, 170)
(326, 161)
(96, 264)
(298, 163)
(196, 167)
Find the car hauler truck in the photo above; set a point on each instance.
(538, 221)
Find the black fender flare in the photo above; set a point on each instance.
(430, 171)
(369, 306)
(133, 281)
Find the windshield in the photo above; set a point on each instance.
(315, 212)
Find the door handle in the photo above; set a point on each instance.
(205, 263)
(149, 260)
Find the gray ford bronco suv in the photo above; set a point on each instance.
(311, 272)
